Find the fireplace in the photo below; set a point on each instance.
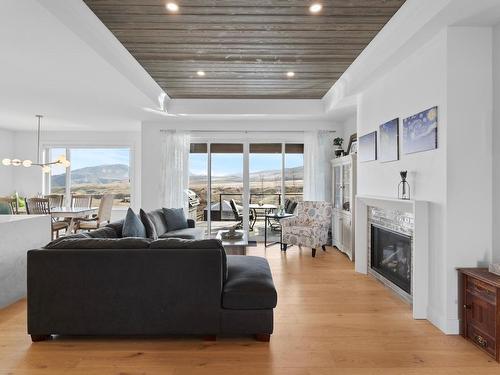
(408, 221)
(391, 257)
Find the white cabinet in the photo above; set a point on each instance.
(344, 192)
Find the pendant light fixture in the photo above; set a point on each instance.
(46, 167)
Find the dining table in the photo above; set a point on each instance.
(72, 213)
(267, 208)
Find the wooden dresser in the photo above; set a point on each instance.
(480, 301)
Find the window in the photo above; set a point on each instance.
(93, 171)
(294, 171)
(274, 170)
(57, 172)
(265, 173)
(198, 184)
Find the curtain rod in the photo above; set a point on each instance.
(245, 131)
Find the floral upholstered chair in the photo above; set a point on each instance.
(310, 226)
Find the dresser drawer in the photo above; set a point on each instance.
(482, 340)
(481, 289)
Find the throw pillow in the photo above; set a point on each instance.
(148, 225)
(132, 226)
(175, 218)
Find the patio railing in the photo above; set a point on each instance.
(252, 200)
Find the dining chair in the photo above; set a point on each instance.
(103, 215)
(10, 205)
(55, 200)
(239, 217)
(81, 200)
(41, 206)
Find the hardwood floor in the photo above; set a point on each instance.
(329, 320)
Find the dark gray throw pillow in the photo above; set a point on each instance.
(148, 225)
(132, 226)
(175, 218)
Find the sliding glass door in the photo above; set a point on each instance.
(226, 188)
(265, 176)
(294, 171)
(222, 174)
(198, 185)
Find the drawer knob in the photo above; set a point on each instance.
(467, 307)
(481, 341)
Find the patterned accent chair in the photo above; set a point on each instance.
(310, 226)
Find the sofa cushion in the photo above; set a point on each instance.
(176, 219)
(53, 244)
(148, 225)
(117, 226)
(104, 232)
(100, 243)
(188, 234)
(132, 226)
(179, 243)
(249, 284)
(159, 221)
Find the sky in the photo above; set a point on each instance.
(231, 164)
(90, 157)
(222, 164)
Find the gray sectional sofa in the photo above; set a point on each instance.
(99, 283)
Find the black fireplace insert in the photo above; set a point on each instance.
(391, 256)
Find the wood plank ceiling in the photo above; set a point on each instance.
(245, 47)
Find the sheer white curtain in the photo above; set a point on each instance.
(317, 171)
(175, 168)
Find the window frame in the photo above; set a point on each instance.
(246, 140)
(46, 187)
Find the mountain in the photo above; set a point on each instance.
(101, 174)
(296, 173)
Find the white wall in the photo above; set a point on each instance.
(29, 181)
(6, 151)
(349, 127)
(415, 85)
(451, 71)
(469, 177)
(496, 143)
(257, 130)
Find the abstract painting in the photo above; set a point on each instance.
(367, 147)
(420, 131)
(389, 141)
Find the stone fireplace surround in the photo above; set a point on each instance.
(418, 211)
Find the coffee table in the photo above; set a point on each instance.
(236, 246)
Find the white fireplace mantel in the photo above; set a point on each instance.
(419, 209)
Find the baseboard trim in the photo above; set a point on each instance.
(447, 326)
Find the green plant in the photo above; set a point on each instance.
(338, 141)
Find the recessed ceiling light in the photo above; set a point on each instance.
(315, 8)
(290, 74)
(173, 7)
(200, 73)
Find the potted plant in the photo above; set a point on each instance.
(337, 142)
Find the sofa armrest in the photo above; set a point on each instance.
(191, 223)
